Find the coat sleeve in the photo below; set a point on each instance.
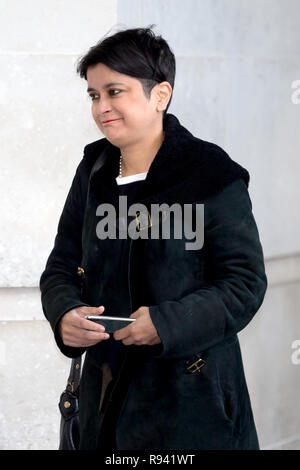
(59, 283)
(234, 287)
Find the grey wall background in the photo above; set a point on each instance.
(236, 64)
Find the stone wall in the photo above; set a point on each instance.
(236, 62)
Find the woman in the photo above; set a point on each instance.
(174, 378)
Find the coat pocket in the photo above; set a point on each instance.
(226, 399)
(200, 382)
(229, 380)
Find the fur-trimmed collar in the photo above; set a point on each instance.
(184, 162)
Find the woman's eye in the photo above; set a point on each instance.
(94, 97)
(119, 91)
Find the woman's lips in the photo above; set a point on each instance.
(111, 120)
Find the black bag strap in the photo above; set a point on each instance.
(99, 162)
(75, 370)
(74, 376)
(97, 165)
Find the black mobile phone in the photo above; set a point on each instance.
(111, 323)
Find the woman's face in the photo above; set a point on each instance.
(121, 98)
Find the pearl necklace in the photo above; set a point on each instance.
(120, 167)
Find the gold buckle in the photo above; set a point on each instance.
(196, 365)
(80, 272)
(72, 385)
(138, 224)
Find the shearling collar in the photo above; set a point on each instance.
(184, 163)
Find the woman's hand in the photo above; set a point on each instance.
(78, 332)
(140, 332)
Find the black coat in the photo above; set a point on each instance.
(198, 299)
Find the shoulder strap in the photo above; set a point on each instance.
(97, 165)
(74, 376)
(99, 162)
(75, 370)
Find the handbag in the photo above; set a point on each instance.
(69, 399)
(69, 409)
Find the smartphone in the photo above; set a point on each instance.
(111, 323)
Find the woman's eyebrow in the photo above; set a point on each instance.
(107, 85)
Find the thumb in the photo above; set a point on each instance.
(96, 310)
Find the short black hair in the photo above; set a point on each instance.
(136, 52)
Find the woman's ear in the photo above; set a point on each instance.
(163, 95)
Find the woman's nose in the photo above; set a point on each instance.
(102, 106)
